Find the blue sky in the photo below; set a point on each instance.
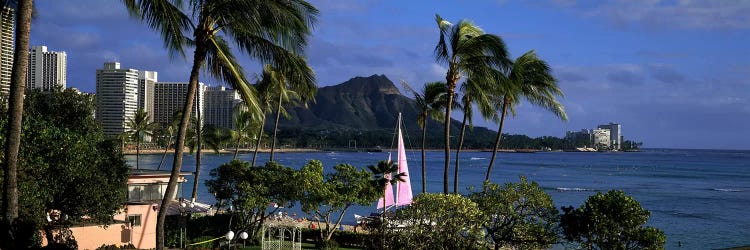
(673, 73)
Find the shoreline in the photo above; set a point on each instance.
(316, 150)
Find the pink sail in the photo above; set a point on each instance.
(404, 195)
(388, 195)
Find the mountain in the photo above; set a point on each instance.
(361, 109)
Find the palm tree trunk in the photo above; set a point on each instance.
(275, 127)
(237, 148)
(198, 58)
(13, 132)
(137, 152)
(497, 144)
(424, 164)
(458, 151)
(448, 106)
(260, 136)
(166, 149)
(198, 154)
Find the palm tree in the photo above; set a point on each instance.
(290, 84)
(430, 103)
(386, 172)
(140, 126)
(15, 116)
(528, 77)
(265, 100)
(467, 51)
(244, 127)
(169, 131)
(271, 31)
(214, 138)
(474, 92)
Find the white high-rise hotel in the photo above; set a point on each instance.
(219, 106)
(47, 69)
(116, 97)
(169, 97)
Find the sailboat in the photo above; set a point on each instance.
(403, 194)
(403, 188)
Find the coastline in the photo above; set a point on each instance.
(312, 150)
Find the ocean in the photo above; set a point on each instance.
(699, 198)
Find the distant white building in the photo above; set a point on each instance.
(601, 138)
(47, 69)
(7, 25)
(146, 82)
(615, 136)
(219, 106)
(169, 97)
(116, 97)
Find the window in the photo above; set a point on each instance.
(134, 219)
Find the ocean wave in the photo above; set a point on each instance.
(574, 189)
(727, 190)
(477, 158)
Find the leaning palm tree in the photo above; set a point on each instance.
(169, 131)
(265, 100)
(467, 51)
(271, 31)
(15, 117)
(245, 126)
(430, 102)
(528, 77)
(474, 92)
(290, 84)
(140, 126)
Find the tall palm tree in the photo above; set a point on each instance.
(430, 102)
(140, 127)
(474, 92)
(290, 83)
(271, 31)
(467, 51)
(265, 100)
(245, 126)
(15, 116)
(528, 77)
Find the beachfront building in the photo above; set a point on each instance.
(136, 222)
(116, 97)
(615, 135)
(583, 138)
(47, 69)
(146, 82)
(601, 139)
(7, 24)
(169, 98)
(219, 106)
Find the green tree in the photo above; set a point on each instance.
(334, 193)
(430, 102)
(15, 117)
(292, 83)
(252, 190)
(245, 126)
(67, 165)
(474, 92)
(168, 132)
(519, 215)
(610, 221)
(385, 173)
(439, 221)
(467, 51)
(140, 127)
(265, 89)
(271, 31)
(528, 77)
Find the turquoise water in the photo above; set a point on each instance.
(697, 197)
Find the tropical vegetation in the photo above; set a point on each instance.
(430, 102)
(140, 128)
(271, 31)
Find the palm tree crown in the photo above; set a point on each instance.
(430, 103)
(140, 127)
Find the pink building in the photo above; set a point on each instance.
(136, 222)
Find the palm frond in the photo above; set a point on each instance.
(222, 65)
(167, 18)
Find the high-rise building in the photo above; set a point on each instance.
(219, 106)
(601, 138)
(169, 97)
(146, 82)
(615, 136)
(580, 138)
(47, 69)
(116, 97)
(7, 24)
